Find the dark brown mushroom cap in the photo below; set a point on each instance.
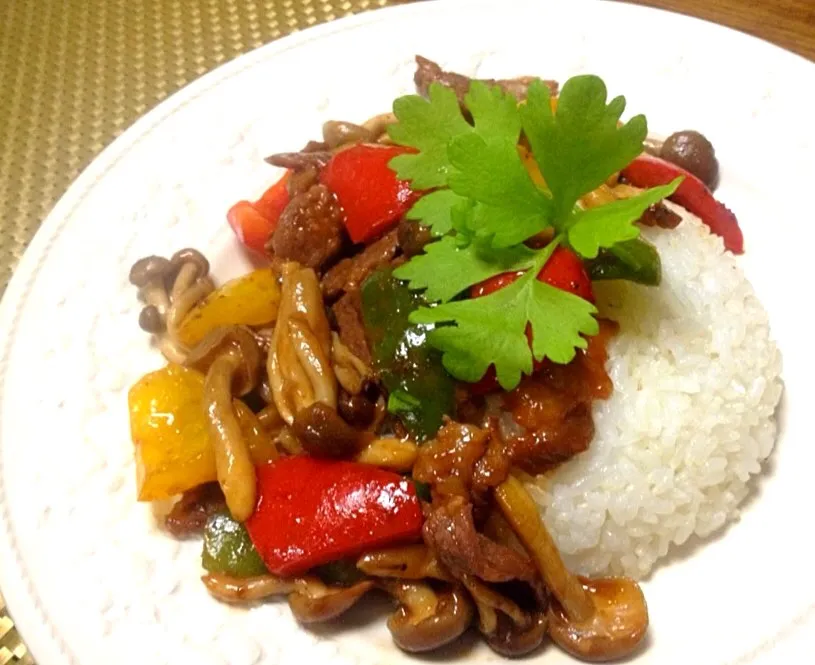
(149, 269)
(314, 602)
(512, 641)
(150, 320)
(324, 433)
(190, 255)
(420, 629)
(693, 152)
(229, 339)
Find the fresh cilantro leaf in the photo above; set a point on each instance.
(606, 225)
(491, 329)
(446, 269)
(436, 211)
(495, 112)
(579, 146)
(427, 125)
(511, 207)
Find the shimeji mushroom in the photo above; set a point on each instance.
(298, 364)
(310, 600)
(409, 562)
(314, 602)
(231, 360)
(169, 289)
(596, 620)
(507, 628)
(426, 619)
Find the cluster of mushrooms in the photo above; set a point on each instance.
(297, 368)
(594, 620)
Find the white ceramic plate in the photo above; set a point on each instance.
(87, 574)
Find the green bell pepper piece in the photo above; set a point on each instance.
(421, 391)
(228, 548)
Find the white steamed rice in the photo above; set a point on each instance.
(692, 416)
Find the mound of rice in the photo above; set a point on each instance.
(692, 416)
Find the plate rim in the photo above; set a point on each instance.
(34, 624)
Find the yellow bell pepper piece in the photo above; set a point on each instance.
(170, 432)
(249, 300)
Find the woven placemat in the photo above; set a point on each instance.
(74, 74)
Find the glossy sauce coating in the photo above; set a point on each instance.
(554, 406)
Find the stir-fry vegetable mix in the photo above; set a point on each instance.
(419, 262)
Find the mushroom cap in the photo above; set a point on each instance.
(150, 319)
(190, 255)
(512, 641)
(149, 269)
(229, 339)
(324, 433)
(617, 626)
(420, 629)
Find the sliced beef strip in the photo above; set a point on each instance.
(189, 516)
(428, 72)
(348, 316)
(349, 273)
(450, 532)
(412, 237)
(310, 230)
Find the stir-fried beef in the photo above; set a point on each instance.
(189, 516)
(310, 230)
(349, 274)
(428, 72)
(348, 315)
(450, 532)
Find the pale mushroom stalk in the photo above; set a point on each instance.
(245, 589)
(236, 473)
(409, 562)
(298, 363)
(389, 453)
(313, 601)
(351, 372)
(508, 629)
(314, 360)
(231, 360)
(594, 620)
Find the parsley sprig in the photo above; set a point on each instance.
(485, 205)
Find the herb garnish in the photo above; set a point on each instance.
(486, 205)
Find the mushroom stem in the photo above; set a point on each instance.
(184, 301)
(410, 562)
(236, 473)
(389, 453)
(244, 589)
(314, 602)
(522, 514)
(314, 361)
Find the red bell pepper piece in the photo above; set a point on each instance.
(312, 511)
(564, 270)
(254, 223)
(371, 195)
(649, 171)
